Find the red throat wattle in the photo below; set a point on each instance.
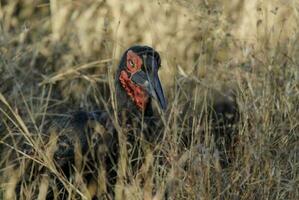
(134, 91)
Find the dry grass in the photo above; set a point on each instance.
(58, 56)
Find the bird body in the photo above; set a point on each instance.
(137, 84)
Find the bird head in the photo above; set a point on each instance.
(137, 78)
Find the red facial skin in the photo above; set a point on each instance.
(135, 92)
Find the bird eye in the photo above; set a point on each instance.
(131, 63)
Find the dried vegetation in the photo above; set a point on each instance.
(59, 56)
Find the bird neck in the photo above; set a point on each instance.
(129, 104)
(135, 92)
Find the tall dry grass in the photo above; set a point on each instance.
(59, 56)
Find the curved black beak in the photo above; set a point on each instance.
(151, 83)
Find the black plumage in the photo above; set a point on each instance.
(94, 136)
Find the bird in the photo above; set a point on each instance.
(94, 135)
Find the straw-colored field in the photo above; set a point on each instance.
(58, 56)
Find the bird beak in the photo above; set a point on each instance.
(151, 83)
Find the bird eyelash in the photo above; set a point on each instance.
(132, 63)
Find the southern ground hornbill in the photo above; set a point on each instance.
(136, 84)
(89, 142)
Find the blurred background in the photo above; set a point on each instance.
(204, 38)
